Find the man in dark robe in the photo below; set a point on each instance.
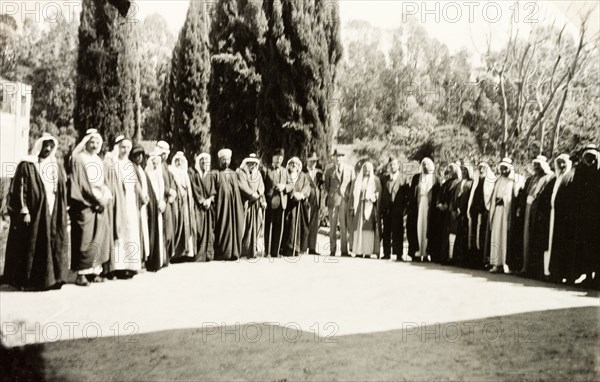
(559, 199)
(90, 203)
(205, 192)
(170, 213)
(274, 178)
(447, 206)
(392, 209)
(586, 183)
(158, 258)
(531, 262)
(229, 227)
(479, 207)
(36, 250)
(296, 213)
(461, 246)
(252, 190)
(315, 177)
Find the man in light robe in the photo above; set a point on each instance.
(90, 201)
(586, 183)
(479, 207)
(393, 208)
(315, 176)
(423, 191)
(528, 262)
(158, 257)
(229, 227)
(36, 251)
(296, 213)
(205, 192)
(338, 184)
(274, 178)
(185, 230)
(137, 157)
(126, 259)
(170, 214)
(252, 190)
(505, 190)
(366, 192)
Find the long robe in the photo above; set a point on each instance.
(170, 214)
(229, 223)
(586, 183)
(461, 246)
(144, 184)
(36, 252)
(314, 202)
(501, 220)
(421, 210)
(276, 205)
(479, 235)
(185, 228)
(394, 198)
(91, 234)
(296, 216)
(367, 224)
(127, 248)
(562, 243)
(252, 241)
(158, 256)
(204, 188)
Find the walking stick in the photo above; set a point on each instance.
(268, 249)
(281, 230)
(296, 229)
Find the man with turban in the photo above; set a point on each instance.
(37, 205)
(364, 204)
(229, 227)
(204, 189)
(297, 189)
(158, 257)
(90, 204)
(137, 157)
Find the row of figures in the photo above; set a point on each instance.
(131, 211)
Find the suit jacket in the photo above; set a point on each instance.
(338, 186)
(393, 195)
(272, 177)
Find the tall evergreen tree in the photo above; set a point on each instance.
(189, 118)
(301, 55)
(236, 39)
(108, 76)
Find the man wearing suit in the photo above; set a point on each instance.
(275, 180)
(393, 206)
(338, 184)
(315, 177)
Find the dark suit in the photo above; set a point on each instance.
(338, 186)
(276, 205)
(393, 207)
(316, 180)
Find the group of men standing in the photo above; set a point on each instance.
(130, 210)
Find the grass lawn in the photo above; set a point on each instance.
(556, 345)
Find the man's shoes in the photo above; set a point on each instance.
(386, 257)
(346, 254)
(332, 254)
(82, 281)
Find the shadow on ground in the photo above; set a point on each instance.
(550, 345)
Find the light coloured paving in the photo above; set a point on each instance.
(336, 296)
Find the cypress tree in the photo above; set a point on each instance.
(107, 94)
(301, 55)
(191, 128)
(236, 39)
